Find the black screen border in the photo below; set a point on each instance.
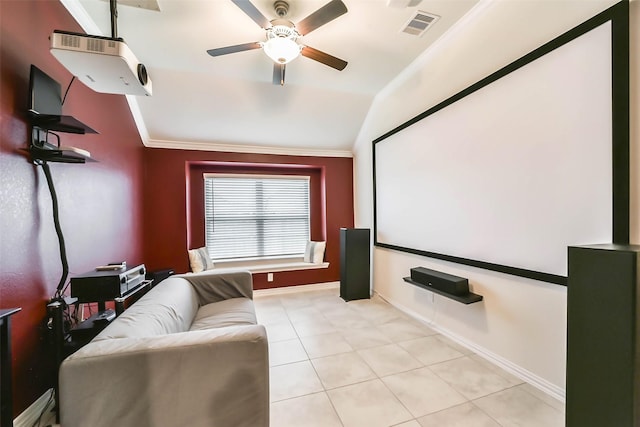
(618, 15)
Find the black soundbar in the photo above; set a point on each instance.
(444, 282)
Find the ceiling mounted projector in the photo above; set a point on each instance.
(104, 64)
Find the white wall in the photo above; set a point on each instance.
(521, 323)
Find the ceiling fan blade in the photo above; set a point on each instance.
(233, 49)
(326, 13)
(278, 74)
(253, 12)
(324, 58)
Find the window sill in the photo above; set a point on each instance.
(273, 267)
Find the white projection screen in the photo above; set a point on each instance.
(511, 171)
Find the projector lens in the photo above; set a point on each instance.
(142, 74)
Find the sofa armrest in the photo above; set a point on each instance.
(217, 285)
(211, 378)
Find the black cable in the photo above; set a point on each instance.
(67, 91)
(65, 287)
(56, 222)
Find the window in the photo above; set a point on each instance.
(256, 216)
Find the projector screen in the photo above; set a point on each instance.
(511, 171)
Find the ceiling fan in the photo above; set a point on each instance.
(282, 44)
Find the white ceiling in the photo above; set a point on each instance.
(203, 102)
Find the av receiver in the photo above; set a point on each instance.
(99, 285)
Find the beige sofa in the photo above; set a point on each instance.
(188, 353)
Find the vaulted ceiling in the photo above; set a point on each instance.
(230, 102)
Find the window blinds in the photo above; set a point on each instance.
(255, 216)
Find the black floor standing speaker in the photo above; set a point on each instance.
(603, 358)
(354, 263)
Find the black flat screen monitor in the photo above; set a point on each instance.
(44, 94)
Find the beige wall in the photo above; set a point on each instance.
(521, 323)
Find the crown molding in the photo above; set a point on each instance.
(89, 26)
(239, 148)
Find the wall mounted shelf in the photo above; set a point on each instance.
(469, 298)
(57, 155)
(42, 151)
(66, 124)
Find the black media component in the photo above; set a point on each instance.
(45, 106)
(447, 285)
(88, 329)
(444, 282)
(99, 285)
(354, 263)
(603, 317)
(44, 94)
(159, 275)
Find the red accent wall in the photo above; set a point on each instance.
(174, 220)
(100, 203)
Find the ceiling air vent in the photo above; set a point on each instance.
(419, 23)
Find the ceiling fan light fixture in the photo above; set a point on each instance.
(281, 45)
(282, 50)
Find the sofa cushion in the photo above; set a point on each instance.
(200, 260)
(231, 312)
(168, 308)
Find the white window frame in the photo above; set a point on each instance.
(256, 257)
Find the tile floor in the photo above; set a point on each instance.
(366, 364)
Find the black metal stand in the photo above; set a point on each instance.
(67, 342)
(6, 391)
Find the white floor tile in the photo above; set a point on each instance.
(342, 369)
(365, 337)
(377, 313)
(296, 300)
(313, 410)
(465, 415)
(313, 327)
(454, 345)
(422, 392)
(430, 350)
(325, 345)
(511, 379)
(366, 364)
(305, 314)
(347, 321)
(515, 407)
(368, 404)
(469, 377)
(265, 301)
(293, 380)
(403, 330)
(389, 359)
(280, 331)
(330, 303)
(412, 423)
(549, 400)
(283, 352)
(269, 315)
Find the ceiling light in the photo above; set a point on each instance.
(282, 50)
(281, 44)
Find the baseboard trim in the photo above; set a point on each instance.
(297, 288)
(29, 417)
(536, 381)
